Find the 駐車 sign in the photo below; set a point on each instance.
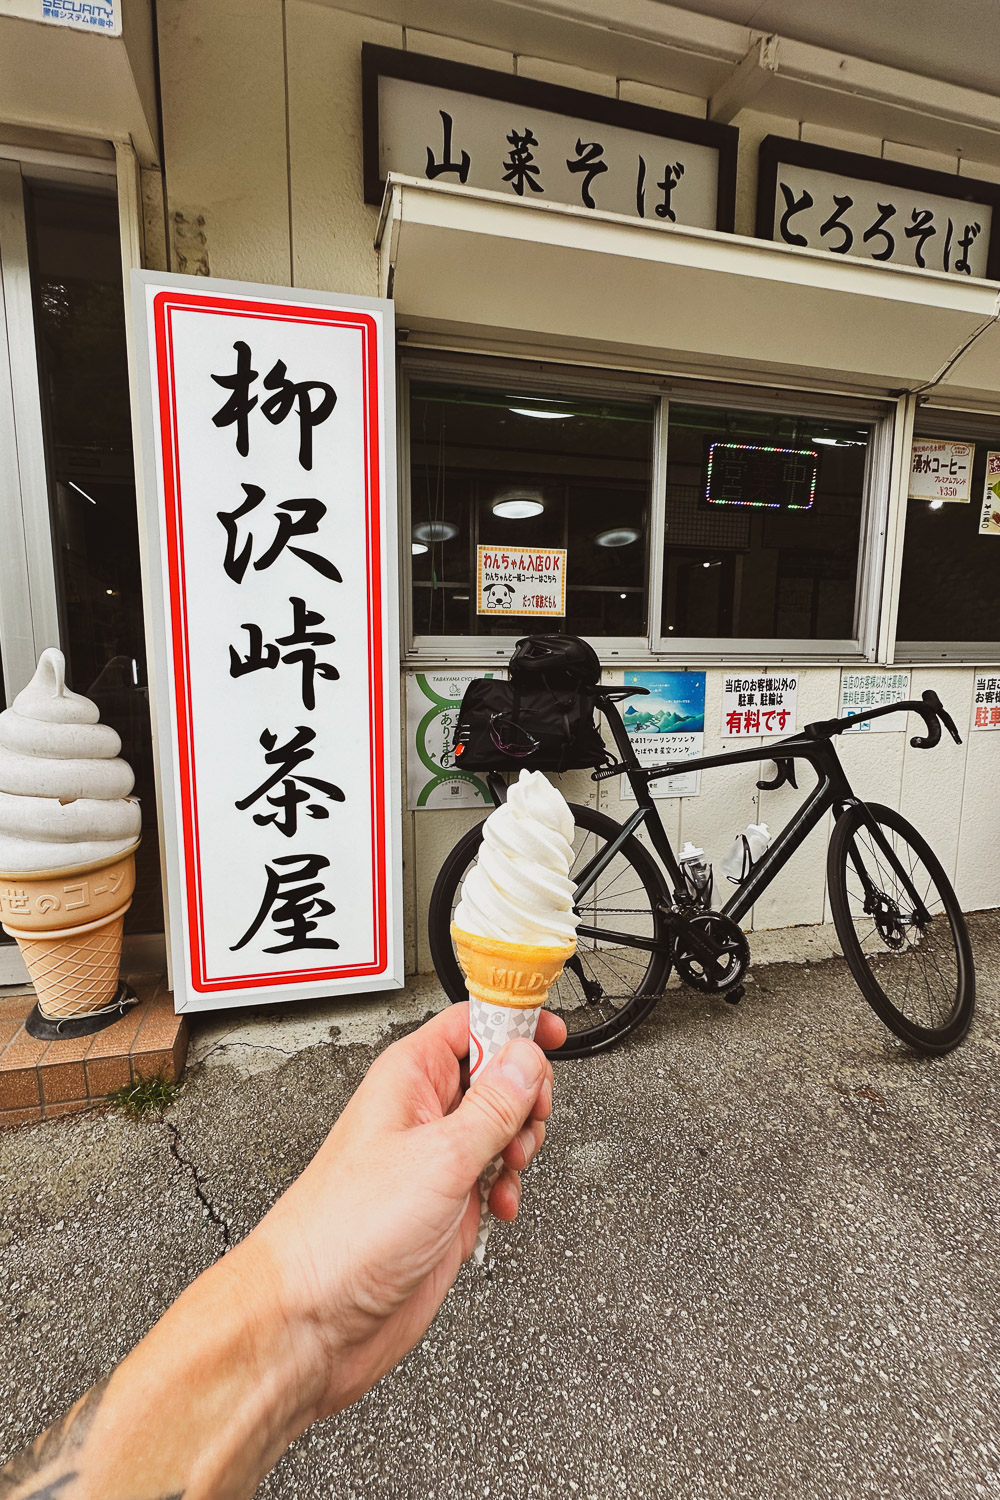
(875, 209)
(753, 705)
(271, 588)
(472, 127)
(521, 581)
(986, 700)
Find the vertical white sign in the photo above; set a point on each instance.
(271, 580)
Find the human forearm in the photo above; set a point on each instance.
(202, 1407)
(340, 1279)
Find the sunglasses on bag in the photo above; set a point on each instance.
(510, 738)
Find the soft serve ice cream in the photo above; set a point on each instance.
(514, 928)
(519, 890)
(64, 791)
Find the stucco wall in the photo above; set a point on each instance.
(262, 149)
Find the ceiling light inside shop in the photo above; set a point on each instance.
(417, 547)
(618, 536)
(540, 413)
(81, 492)
(518, 505)
(435, 531)
(831, 442)
(936, 504)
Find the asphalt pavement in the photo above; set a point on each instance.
(757, 1258)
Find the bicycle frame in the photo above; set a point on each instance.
(832, 792)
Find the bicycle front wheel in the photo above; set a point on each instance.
(609, 986)
(901, 928)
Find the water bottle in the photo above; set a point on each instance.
(697, 872)
(744, 852)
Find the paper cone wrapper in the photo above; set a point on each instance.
(508, 984)
(68, 925)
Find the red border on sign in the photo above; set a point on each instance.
(165, 304)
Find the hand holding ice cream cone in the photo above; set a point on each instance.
(515, 927)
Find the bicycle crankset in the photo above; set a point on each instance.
(711, 953)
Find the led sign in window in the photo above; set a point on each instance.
(761, 476)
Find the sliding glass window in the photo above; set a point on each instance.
(682, 522)
(949, 598)
(521, 474)
(764, 519)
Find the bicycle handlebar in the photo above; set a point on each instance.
(928, 706)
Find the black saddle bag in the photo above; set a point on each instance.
(505, 725)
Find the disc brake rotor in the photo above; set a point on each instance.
(730, 950)
(888, 919)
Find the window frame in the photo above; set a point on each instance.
(471, 649)
(29, 607)
(937, 653)
(656, 647)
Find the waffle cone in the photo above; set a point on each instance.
(68, 925)
(517, 975)
(75, 973)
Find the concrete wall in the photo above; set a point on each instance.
(262, 153)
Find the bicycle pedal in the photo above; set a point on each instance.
(735, 995)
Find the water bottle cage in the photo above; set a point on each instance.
(748, 863)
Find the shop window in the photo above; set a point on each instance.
(763, 524)
(522, 470)
(948, 586)
(77, 293)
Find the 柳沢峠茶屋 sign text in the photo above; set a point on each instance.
(272, 602)
(473, 127)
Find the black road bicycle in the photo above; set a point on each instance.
(895, 912)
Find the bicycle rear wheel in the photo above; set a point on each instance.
(901, 928)
(608, 987)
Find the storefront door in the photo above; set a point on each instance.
(69, 559)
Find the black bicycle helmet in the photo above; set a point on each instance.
(549, 655)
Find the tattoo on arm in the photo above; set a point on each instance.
(51, 1490)
(65, 1436)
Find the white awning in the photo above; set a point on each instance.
(468, 262)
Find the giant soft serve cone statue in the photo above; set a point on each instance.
(514, 928)
(68, 835)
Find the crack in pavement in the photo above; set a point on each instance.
(199, 1188)
(235, 1041)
